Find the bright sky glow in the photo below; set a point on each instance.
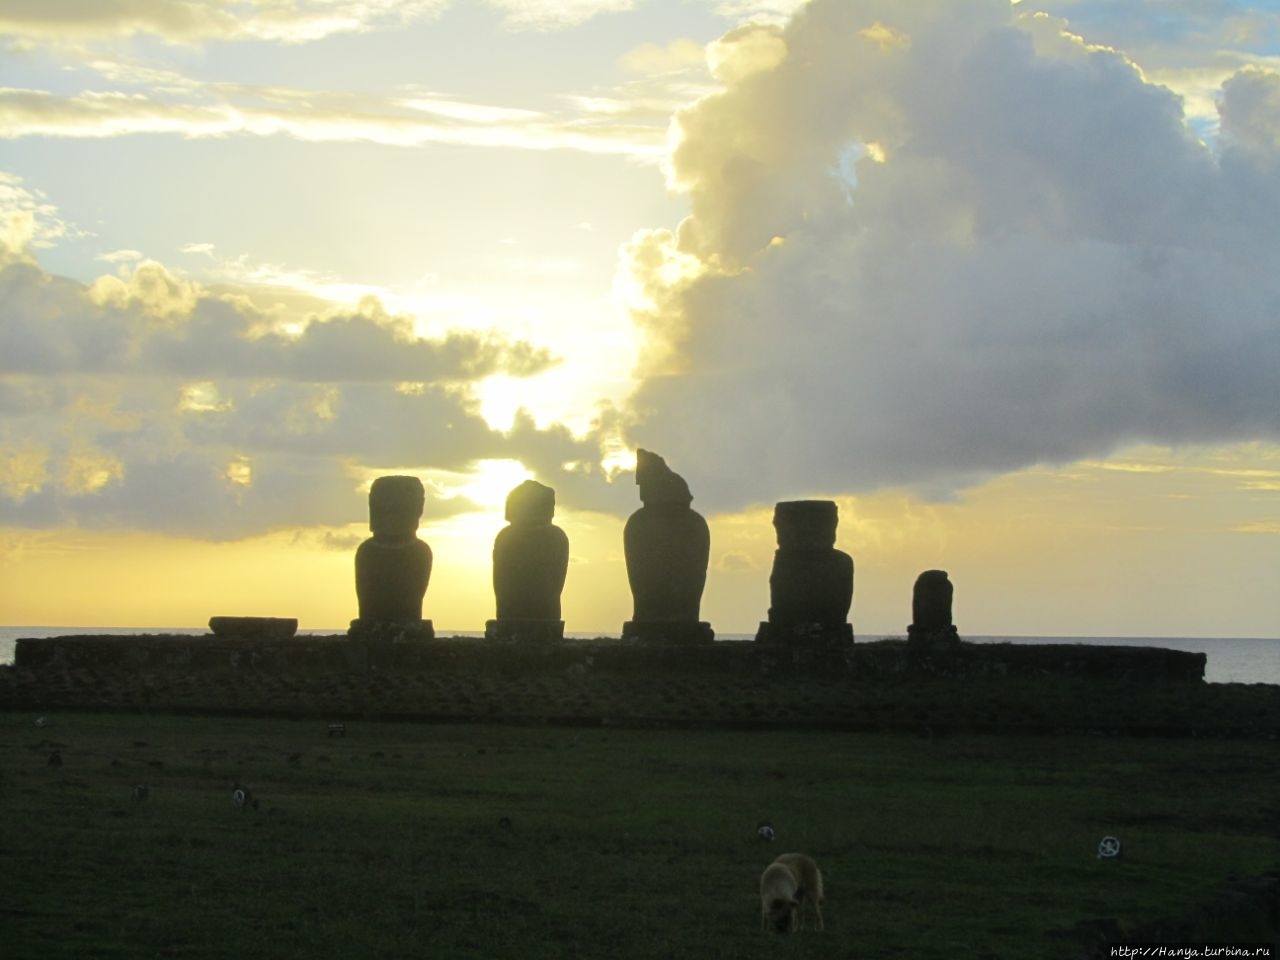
(999, 278)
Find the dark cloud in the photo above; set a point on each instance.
(272, 464)
(156, 324)
(146, 403)
(1250, 110)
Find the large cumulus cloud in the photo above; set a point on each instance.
(933, 242)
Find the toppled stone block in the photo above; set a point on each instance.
(260, 628)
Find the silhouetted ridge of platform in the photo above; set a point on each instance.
(339, 654)
(883, 685)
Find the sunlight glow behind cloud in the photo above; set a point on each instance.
(253, 255)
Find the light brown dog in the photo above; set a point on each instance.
(789, 886)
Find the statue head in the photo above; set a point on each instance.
(934, 581)
(658, 483)
(531, 504)
(395, 507)
(806, 524)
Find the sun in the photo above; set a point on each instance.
(501, 398)
(484, 485)
(489, 482)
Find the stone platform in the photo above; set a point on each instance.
(608, 681)
(344, 654)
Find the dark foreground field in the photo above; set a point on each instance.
(404, 840)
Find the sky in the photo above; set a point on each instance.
(1001, 279)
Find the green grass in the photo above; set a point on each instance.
(623, 843)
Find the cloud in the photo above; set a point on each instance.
(126, 96)
(153, 323)
(251, 457)
(1260, 526)
(1189, 47)
(1250, 109)
(1159, 25)
(981, 246)
(27, 220)
(652, 58)
(285, 21)
(191, 21)
(747, 50)
(121, 256)
(556, 14)
(736, 561)
(665, 79)
(330, 540)
(146, 401)
(759, 11)
(219, 110)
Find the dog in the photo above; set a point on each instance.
(790, 887)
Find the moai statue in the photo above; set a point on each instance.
(530, 560)
(811, 586)
(393, 566)
(931, 625)
(667, 546)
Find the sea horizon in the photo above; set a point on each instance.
(1230, 659)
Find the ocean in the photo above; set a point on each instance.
(1231, 659)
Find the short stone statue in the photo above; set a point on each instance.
(811, 586)
(393, 566)
(931, 624)
(530, 560)
(667, 546)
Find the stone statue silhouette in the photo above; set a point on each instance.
(931, 623)
(667, 546)
(811, 586)
(393, 566)
(530, 560)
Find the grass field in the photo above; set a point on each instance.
(404, 840)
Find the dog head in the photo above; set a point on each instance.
(782, 914)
